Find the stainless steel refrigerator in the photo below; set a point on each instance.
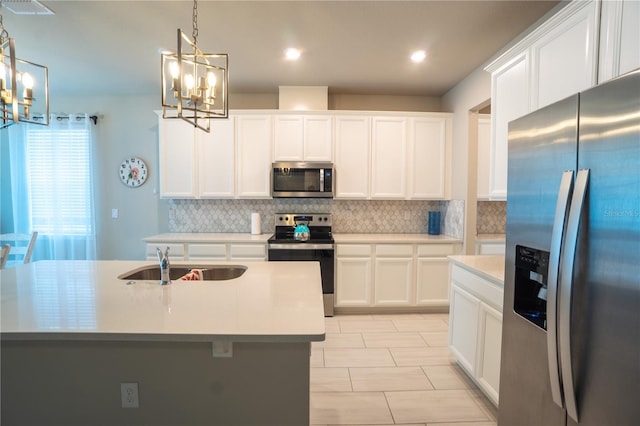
(571, 322)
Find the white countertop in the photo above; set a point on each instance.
(84, 300)
(207, 237)
(394, 238)
(489, 266)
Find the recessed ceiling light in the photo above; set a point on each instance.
(292, 54)
(418, 56)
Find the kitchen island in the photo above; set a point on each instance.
(232, 352)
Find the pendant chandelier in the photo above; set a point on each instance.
(20, 82)
(194, 84)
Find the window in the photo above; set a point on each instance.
(51, 188)
(58, 162)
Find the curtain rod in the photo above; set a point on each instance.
(60, 117)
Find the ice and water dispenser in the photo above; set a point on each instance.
(530, 301)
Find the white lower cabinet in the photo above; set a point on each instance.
(475, 328)
(393, 275)
(432, 280)
(463, 330)
(489, 347)
(353, 275)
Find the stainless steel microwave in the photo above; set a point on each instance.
(302, 180)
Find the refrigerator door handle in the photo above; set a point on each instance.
(562, 207)
(566, 290)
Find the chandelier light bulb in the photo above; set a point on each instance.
(211, 79)
(27, 80)
(189, 81)
(174, 69)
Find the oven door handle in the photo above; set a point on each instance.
(301, 246)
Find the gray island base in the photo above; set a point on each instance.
(233, 352)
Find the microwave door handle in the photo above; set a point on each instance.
(321, 180)
(564, 194)
(566, 290)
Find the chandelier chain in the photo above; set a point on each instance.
(4, 34)
(194, 34)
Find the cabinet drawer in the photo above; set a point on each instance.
(353, 250)
(207, 250)
(248, 250)
(436, 250)
(488, 292)
(175, 250)
(394, 250)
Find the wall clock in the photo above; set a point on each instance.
(133, 172)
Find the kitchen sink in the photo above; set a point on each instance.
(209, 272)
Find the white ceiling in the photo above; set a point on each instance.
(354, 47)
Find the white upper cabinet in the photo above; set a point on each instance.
(194, 163)
(303, 138)
(216, 160)
(619, 38)
(429, 158)
(253, 168)
(509, 100)
(556, 60)
(177, 159)
(388, 157)
(288, 134)
(484, 155)
(352, 134)
(564, 59)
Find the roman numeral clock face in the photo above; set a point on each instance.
(133, 172)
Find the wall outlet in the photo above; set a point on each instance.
(129, 395)
(114, 213)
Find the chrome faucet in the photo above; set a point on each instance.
(165, 266)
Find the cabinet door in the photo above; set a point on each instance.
(352, 157)
(463, 327)
(489, 347)
(254, 156)
(353, 281)
(393, 281)
(288, 138)
(564, 60)
(429, 158)
(216, 160)
(510, 100)
(432, 278)
(484, 156)
(619, 35)
(318, 138)
(388, 158)
(177, 164)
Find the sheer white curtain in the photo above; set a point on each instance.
(52, 185)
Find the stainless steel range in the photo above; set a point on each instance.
(306, 237)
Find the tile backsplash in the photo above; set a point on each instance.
(492, 217)
(377, 217)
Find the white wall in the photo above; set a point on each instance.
(127, 126)
(468, 95)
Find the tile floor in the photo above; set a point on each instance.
(389, 370)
